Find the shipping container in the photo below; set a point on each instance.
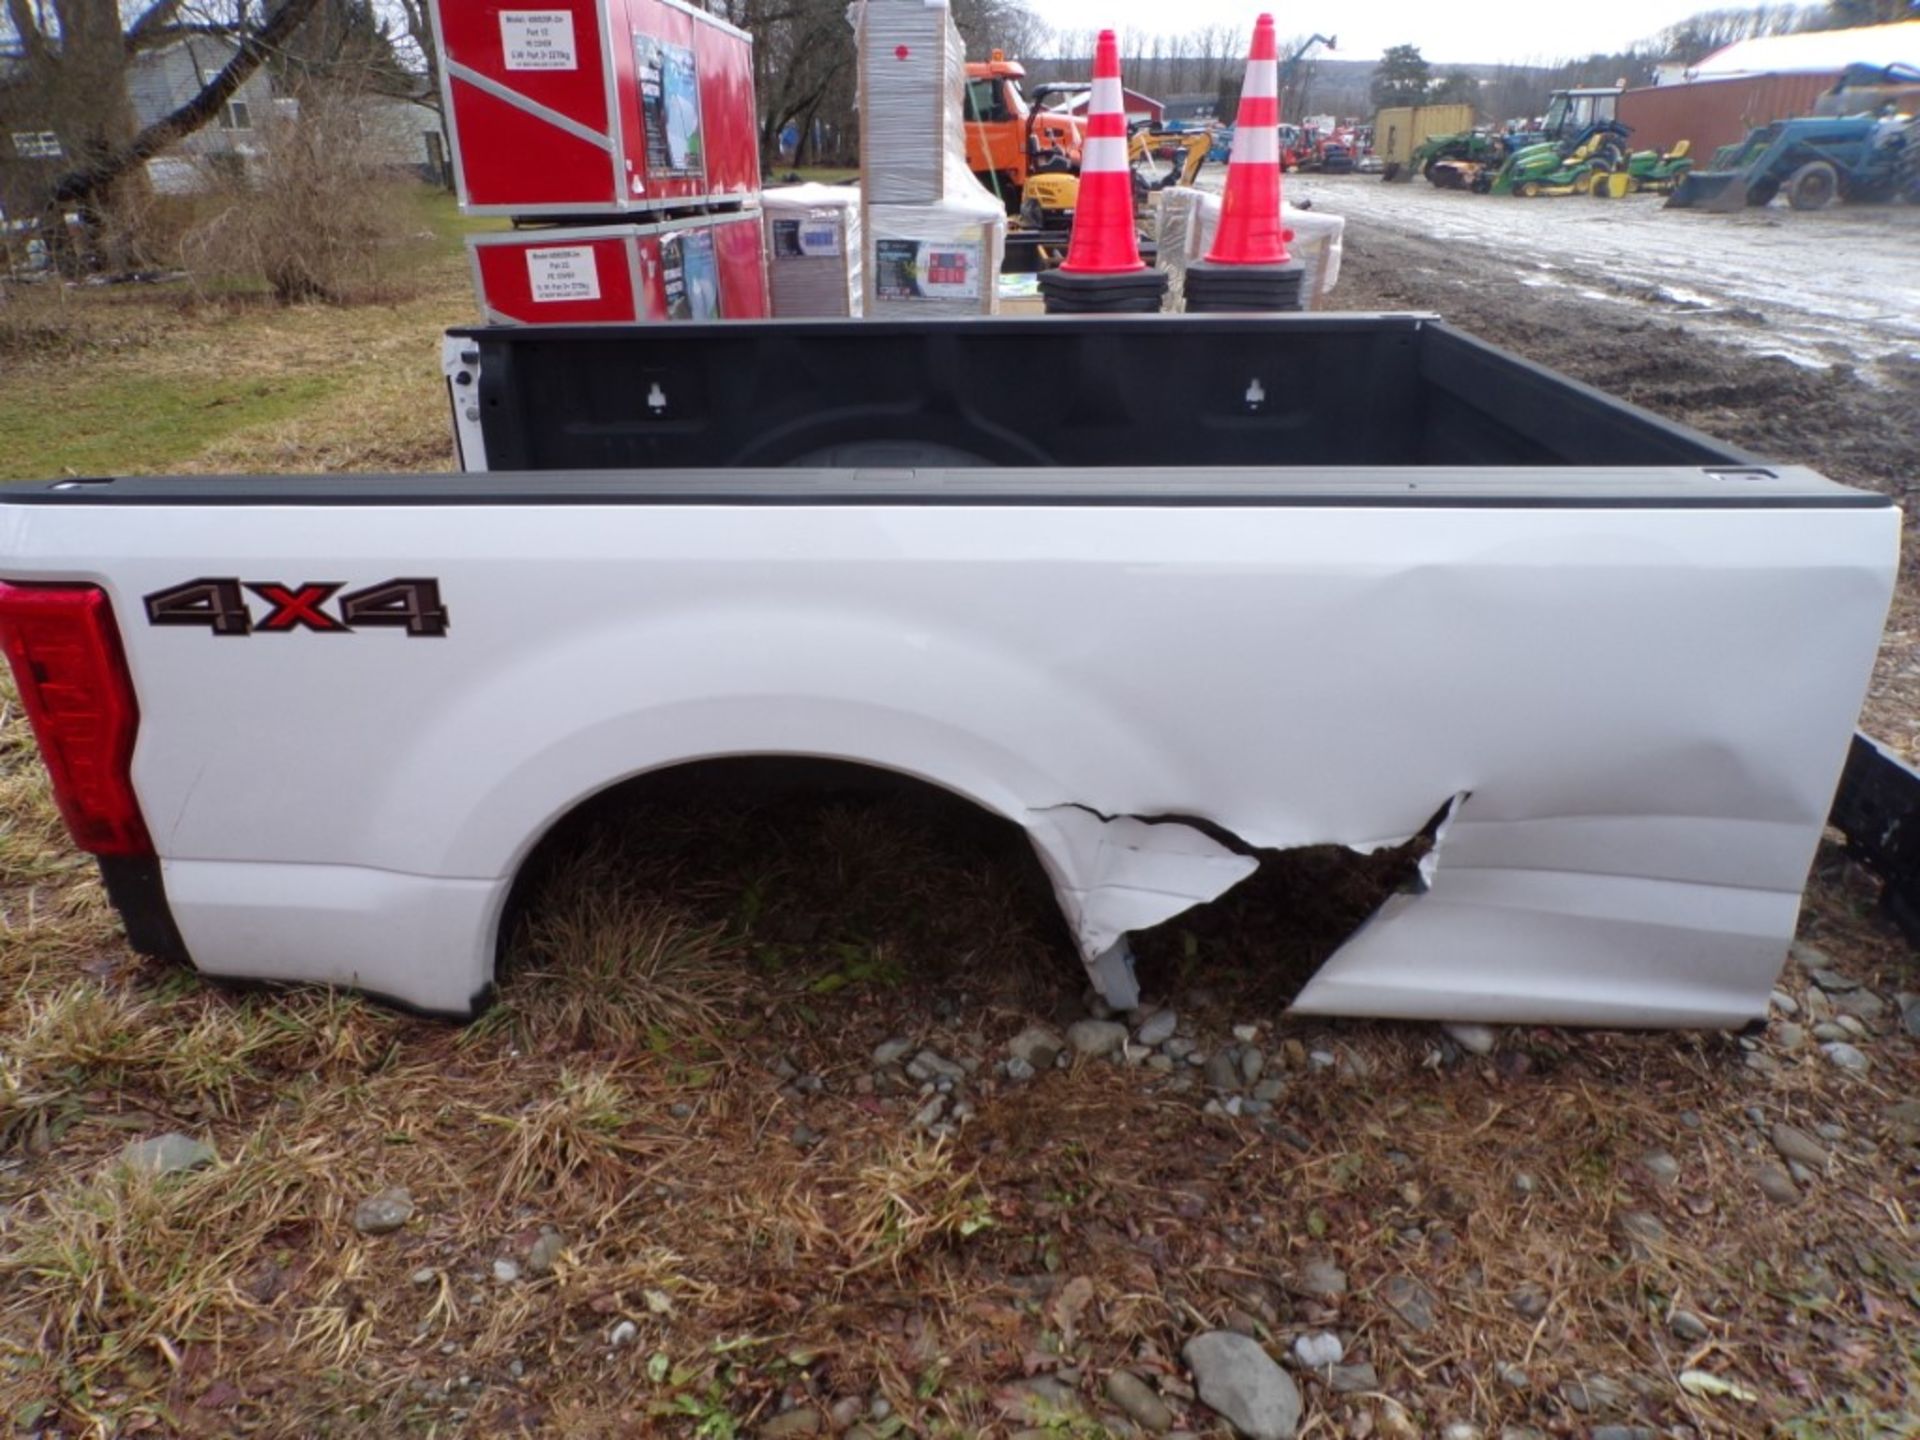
(1401, 129)
(1710, 113)
(702, 268)
(585, 107)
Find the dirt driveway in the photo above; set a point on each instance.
(1836, 287)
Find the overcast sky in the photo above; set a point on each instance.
(1468, 30)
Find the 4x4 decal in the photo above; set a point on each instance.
(220, 604)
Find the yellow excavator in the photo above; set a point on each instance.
(1028, 153)
(1182, 151)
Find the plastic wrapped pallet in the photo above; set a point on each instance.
(913, 66)
(1189, 217)
(1174, 215)
(813, 250)
(932, 235)
(936, 259)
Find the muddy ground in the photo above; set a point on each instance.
(1855, 418)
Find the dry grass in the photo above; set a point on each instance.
(314, 218)
(629, 1093)
(646, 1087)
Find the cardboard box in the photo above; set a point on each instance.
(813, 250)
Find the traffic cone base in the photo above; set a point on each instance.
(1212, 288)
(1137, 293)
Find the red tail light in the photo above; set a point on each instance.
(72, 676)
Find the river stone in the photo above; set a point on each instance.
(1794, 1143)
(1239, 1380)
(545, 1253)
(168, 1154)
(1352, 1379)
(1830, 980)
(1478, 1039)
(1861, 1004)
(1319, 1280)
(1410, 1300)
(1094, 1038)
(1157, 1029)
(1596, 1394)
(1661, 1165)
(891, 1052)
(1642, 1230)
(1038, 1046)
(1319, 1350)
(1136, 1397)
(932, 1065)
(1221, 1071)
(384, 1213)
(1777, 1185)
(1845, 1056)
(1688, 1326)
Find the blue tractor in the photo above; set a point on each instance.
(1813, 161)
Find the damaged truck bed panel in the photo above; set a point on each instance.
(1630, 701)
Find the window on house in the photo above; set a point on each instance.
(237, 115)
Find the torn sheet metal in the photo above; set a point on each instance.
(1121, 874)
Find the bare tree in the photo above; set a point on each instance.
(74, 60)
(419, 51)
(1698, 36)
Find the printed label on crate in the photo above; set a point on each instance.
(669, 83)
(926, 269)
(538, 40)
(690, 275)
(805, 239)
(566, 272)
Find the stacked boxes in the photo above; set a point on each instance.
(618, 122)
(932, 236)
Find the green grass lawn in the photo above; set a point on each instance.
(134, 379)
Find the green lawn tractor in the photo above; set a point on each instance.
(1646, 170)
(1565, 167)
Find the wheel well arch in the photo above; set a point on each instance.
(748, 769)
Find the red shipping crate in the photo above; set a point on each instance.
(578, 107)
(706, 268)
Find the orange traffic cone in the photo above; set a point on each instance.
(1251, 242)
(1103, 270)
